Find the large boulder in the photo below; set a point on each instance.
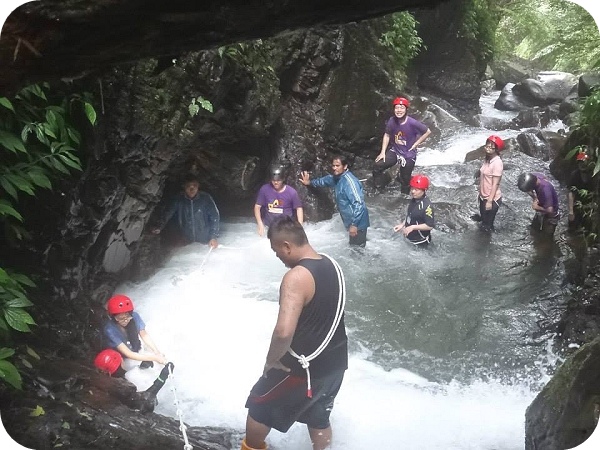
(547, 88)
(565, 413)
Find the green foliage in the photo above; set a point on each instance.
(254, 55)
(8, 372)
(589, 128)
(37, 144)
(480, 19)
(557, 34)
(402, 39)
(197, 103)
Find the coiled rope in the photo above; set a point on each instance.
(305, 360)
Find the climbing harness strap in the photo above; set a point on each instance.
(182, 427)
(305, 360)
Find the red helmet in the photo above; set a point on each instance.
(119, 304)
(401, 101)
(419, 182)
(582, 156)
(108, 360)
(498, 142)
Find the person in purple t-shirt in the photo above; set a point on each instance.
(402, 136)
(276, 199)
(545, 201)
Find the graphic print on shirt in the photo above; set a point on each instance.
(400, 138)
(276, 207)
(429, 211)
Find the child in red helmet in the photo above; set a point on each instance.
(403, 134)
(419, 216)
(490, 174)
(125, 331)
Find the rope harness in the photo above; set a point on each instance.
(305, 360)
(182, 427)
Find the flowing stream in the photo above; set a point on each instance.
(445, 348)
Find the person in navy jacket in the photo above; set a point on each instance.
(197, 214)
(349, 197)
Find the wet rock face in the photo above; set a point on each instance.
(75, 39)
(565, 412)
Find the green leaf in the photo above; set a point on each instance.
(6, 352)
(6, 209)
(18, 319)
(90, 112)
(8, 187)
(6, 103)
(31, 352)
(38, 411)
(74, 135)
(40, 179)
(21, 302)
(10, 374)
(59, 166)
(11, 142)
(22, 279)
(21, 183)
(25, 362)
(69, 162)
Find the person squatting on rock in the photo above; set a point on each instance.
(419, 215)
(545, 201)
(349, 197)
(308, 353)
(405, 134)
(197, 214)
(110, 361)
(580, 183)
(125, 332)
(275, 199)
(490, 175)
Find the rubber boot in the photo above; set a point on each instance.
(246, 447)
(160, 381)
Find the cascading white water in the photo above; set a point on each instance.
(443, 353)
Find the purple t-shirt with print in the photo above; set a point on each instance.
(546, 194)
(403, 134)
(274, 203)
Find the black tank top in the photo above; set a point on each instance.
(315, 322)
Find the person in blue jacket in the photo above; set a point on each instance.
(349, 198)
(197, 214)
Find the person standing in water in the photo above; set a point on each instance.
(349, 197)
(490, 175)
(419, 215)
(197, 214)
(545, 202)
(275, 199)
(308, 354)
(405, 134)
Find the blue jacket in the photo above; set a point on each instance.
(349, 197)
(198, 218)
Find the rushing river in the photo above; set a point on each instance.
(445, 344)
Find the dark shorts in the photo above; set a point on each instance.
(280, 400)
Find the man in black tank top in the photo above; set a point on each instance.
(308, 354)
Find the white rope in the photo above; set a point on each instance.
(182, 427)
(305, 360)
(205, 258)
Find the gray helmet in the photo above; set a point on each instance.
(277, 173)
(526, 182)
